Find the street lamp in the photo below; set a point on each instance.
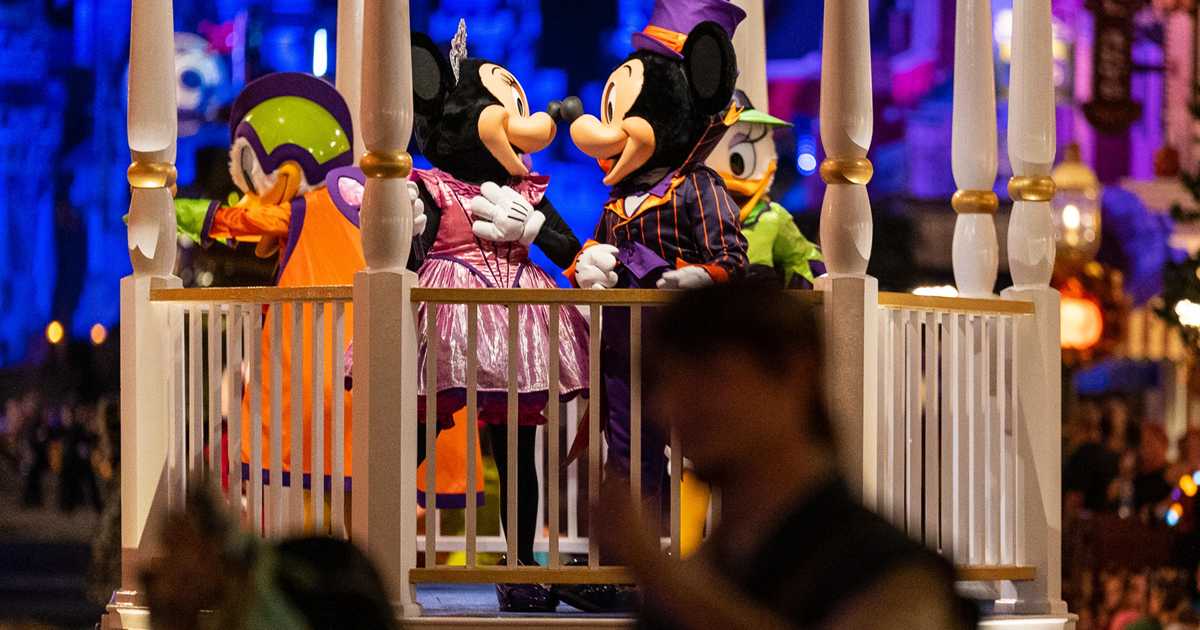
(1076, 213)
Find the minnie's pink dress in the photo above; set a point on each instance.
(458, 259)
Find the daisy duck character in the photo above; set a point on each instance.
(746, 159)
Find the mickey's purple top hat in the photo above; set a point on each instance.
(672, 20)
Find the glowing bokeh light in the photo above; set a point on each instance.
(1174, 513)
(1081, 323)
(54, 332)
(944, 290)
(320, 52)
(1188, 313)
(98, 333)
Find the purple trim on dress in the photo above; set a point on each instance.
(314, 171)
(295, 227)
(452, 500)
(520, 272)
(459, 261)
(348, 209)
(292, 84)
(287, 478)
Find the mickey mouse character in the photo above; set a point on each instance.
(485, 208)
(670, 222)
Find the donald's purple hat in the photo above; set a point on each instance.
(672, 20)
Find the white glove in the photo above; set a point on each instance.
(685, 278)
(418, 209)
(503, 215)
(594, 269)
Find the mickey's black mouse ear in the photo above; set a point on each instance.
(432, 79)
(711, 67)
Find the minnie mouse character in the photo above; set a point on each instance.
(485, 208)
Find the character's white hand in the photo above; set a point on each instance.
(502, 215)
(594, 269)
(685, 278)
(418, 209)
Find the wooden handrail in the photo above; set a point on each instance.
(521, 575)
(957, 304)
(581, 297)
(622, 575)
(996, 573)
(254, 295)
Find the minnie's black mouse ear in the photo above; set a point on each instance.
(432, 78)
(711, 67)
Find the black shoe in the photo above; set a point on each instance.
(525, 598)
(597, 598)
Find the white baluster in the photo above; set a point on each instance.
(145, 327)
(1037, 375)
(1031, 145)
(387, 118)
(152, 129)
(973, 153)
(851, 301)
(385, 336)
(750, 43)
(846, 128)
(349, 64)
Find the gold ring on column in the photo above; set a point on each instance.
(151, 174)
(975, 202)
(1031, 188)
(386, 164)
(847, 171)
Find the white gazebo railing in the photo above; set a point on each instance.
(947, 408)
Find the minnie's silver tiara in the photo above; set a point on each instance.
(458, 48)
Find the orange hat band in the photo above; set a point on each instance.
(668, 38)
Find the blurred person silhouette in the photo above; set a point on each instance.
(738, 372)
(1150, 485)
(214, 576)
(1091, 467)
(77, 483)
(35, 435)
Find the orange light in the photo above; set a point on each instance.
(54, 332)
(1188, 485)
(1081, 323)
(98, 333)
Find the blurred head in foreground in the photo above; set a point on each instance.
(307, 583)
(736, 371)
(733, 363)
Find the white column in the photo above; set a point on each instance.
(1031, 144)
(152, 128)
(851, 297)
(846, 127)
(384, 518)
(973, 152)
(349, 64)
(146, 327)
(750, 43)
